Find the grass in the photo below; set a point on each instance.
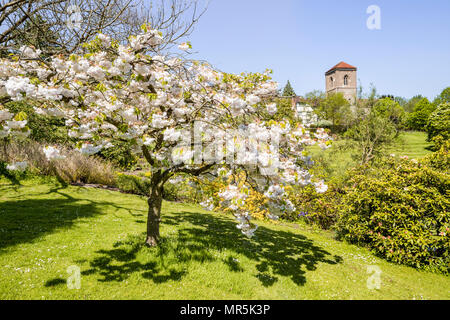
(412, 144)
(44, 229)
(336, 160)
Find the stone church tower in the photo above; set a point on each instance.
(342, 78)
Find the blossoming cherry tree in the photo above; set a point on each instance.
(171, 110)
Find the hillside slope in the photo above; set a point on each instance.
(44, 229)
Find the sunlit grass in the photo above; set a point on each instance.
(44, 229)
(412, 144)
(338, 160)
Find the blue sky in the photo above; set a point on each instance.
(300, 40)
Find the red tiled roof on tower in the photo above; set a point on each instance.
(341, 65)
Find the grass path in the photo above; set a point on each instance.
(44, 229)
(412, 144)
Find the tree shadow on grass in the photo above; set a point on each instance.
(275, 253)
(22, 221)
(55, 282)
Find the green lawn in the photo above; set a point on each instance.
(44, 229)
(412, 144)
(337, 160)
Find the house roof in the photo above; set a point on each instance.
(341, 65)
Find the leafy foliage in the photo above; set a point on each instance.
(288, 91)
(411, 103)
(444, 97)
(120, 155)
(43, 129)
(371, 135)
(417, 120)
(315, 98)
(317, 208)
(336, 109)
(391, 110)
(400, 210)
(439, 123)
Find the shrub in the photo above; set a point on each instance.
(444, 97)
(400, 210)
(439, 123)
(75, 168)
(120, 155)
(43, 129)
(417, 120)
(440, 160)
(134, 184)
(184, 189)
(390, 109)
(371, 135)
(317, 208)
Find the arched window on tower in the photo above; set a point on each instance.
(332, 81)
(346, 80)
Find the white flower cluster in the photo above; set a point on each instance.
(184, 46)
(278, 203)
(30, 53)
(89, 149)
(151, 38)
(244, 224)
(52, 153)
(133, 93)
(18, 87)
(17, 166)
(208, 204)
(11, 127)
(321, 187)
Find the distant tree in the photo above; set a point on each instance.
(372, 96)
(38, 35)
(366, 100)
(284, 109)
(371, 135)
(409, 106)
(288, 90)
(336, 109)
(315, 98)
(360, 90)
(391, 110)
(418, 119)
(439, 124)
(444, 97)
(401, 101)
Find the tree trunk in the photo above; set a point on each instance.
(154, 215)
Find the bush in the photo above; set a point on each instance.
(76, 168)
(371, 135)
(120, 155)
(390, 109)
(133, 184)
(43, 129)
(317, 208)
(400, 209)
(417, 120)
(439, 123)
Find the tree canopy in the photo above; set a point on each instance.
(288, 91)
(182, 116)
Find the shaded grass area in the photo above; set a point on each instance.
(45, 229)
